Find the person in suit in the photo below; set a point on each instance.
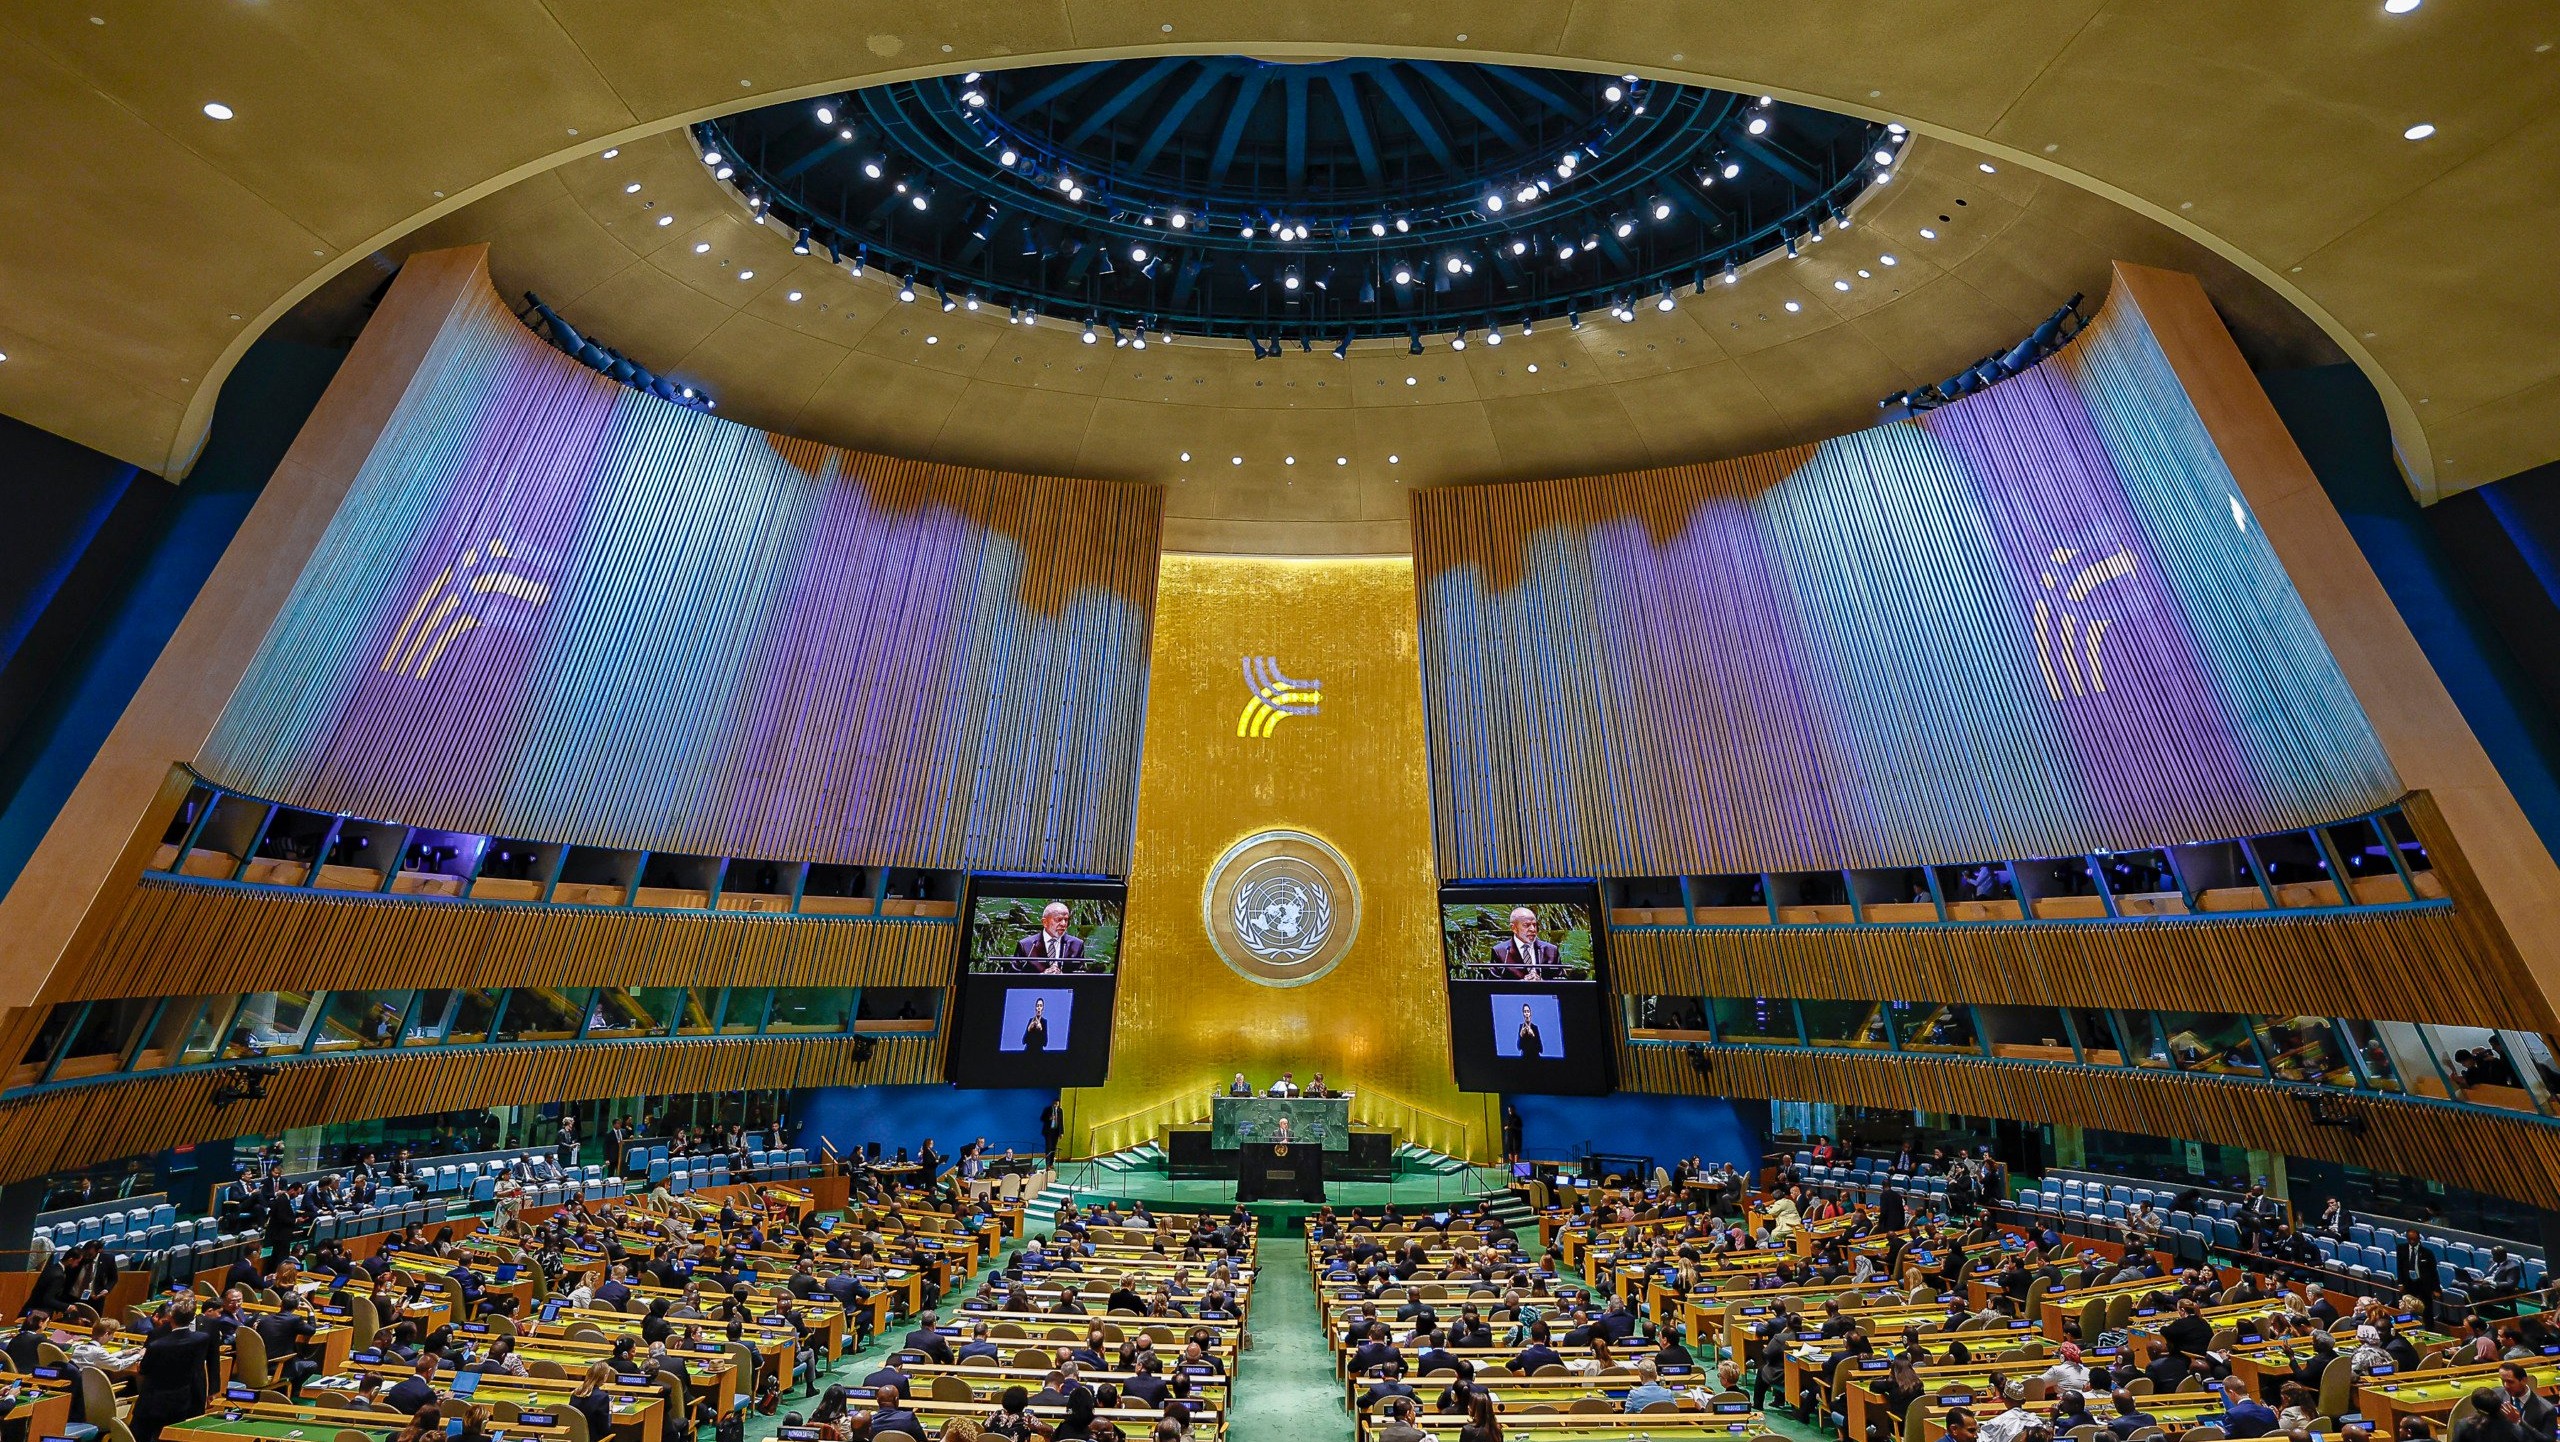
(1239, 1087)
(1287, 1086)
(1400, 1426)
(1532, 1046)
(2418, 1272)
(1035, 1032)
(416, 1390)
(1523, 957)
(1051, 945)
(1053, 1127)
(2534, 1414)
(1146, 1386)
(928, 1339)
(170, 1385)
(979, 1346)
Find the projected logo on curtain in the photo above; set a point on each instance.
(2063, 636)
(460, 596)
(1275, 697)
(1281, 907)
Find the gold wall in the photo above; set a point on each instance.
(1351, 774)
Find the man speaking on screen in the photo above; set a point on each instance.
(1054, 948)
(1523, 956)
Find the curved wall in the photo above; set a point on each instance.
(556, 608)
(2038, 621)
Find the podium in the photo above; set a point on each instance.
(1286, 1171)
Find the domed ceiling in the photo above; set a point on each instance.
(1322, 201)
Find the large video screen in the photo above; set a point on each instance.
(1037, 985)
(1526, 1008)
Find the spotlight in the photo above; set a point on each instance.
(1494, 201)
(1492, 333)
(1342, 348)
(919, 198)
(1661, 208)
(1138, 340)
(875, 167)
(971, 302)
(1730, 274)
(801, 245)
(1791, 248)
(1572, 318)
(1525, 331)
(1413, 338)
(1528, 193)
(1377, 227)
(1456, 264)
(1404, 273)
(1884, 157)
(1138, 253)
(1459, 341)
(1403, 225)
(1625, 226)
(723, 173)
(1613, 94)
(907, 289)
(1519, 247)
(1290, 279)
(1179, 220)
(1009, 158)
(1089, 336)
(826, 115)
(948, 304)
(1245, 231)
(1732, 169)
(711, 157)
(1565, 251)
(1759, 125)
(1666, 302)
(861, 254)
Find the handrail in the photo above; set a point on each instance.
(1449, 1135)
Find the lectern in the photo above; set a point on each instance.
(1289, 1171)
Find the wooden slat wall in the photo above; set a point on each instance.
(80, 1125)
(2480, 1150)
(1834, 656)
(654, 629)
(177, 939)
(2412, 965)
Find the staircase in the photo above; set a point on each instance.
(1412, 1161)
(1144, 1157)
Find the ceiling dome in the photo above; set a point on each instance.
(1316, 202)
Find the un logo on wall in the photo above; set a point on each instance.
(1281, 907)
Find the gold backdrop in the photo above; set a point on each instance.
(1351, 774)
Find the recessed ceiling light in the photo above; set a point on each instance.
(1839, 285)
(1342, 460)
(217, 110)
(933, 340)
(2399, 7)
(2419, 131)
(1288, 460)
(701, 247)
(1391, 460)
(1186, 455)
(1408, 380)
(632, 189)
(1990, 169)
(1793, 306)
(666, 220)
(610, 154)
(746, 275)
(1533, 368)
(1927, 234)
(1887, 260)
(795, 295)
(1235, 460)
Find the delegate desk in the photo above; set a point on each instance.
(2434, 1394)
(1678, 1426)
(289, 1422)
(636, 1410)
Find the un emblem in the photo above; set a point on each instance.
(1281, 907)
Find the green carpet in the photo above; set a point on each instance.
(1285, 1388)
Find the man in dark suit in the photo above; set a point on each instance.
(418, 1388)
(928, 1340)
(1376, 1351)
(980, 1346)
(1051, 945)
(170, 1385)
(1539, 1353)
(1523, 957)
(2418, 1271)
(1146, 1386)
